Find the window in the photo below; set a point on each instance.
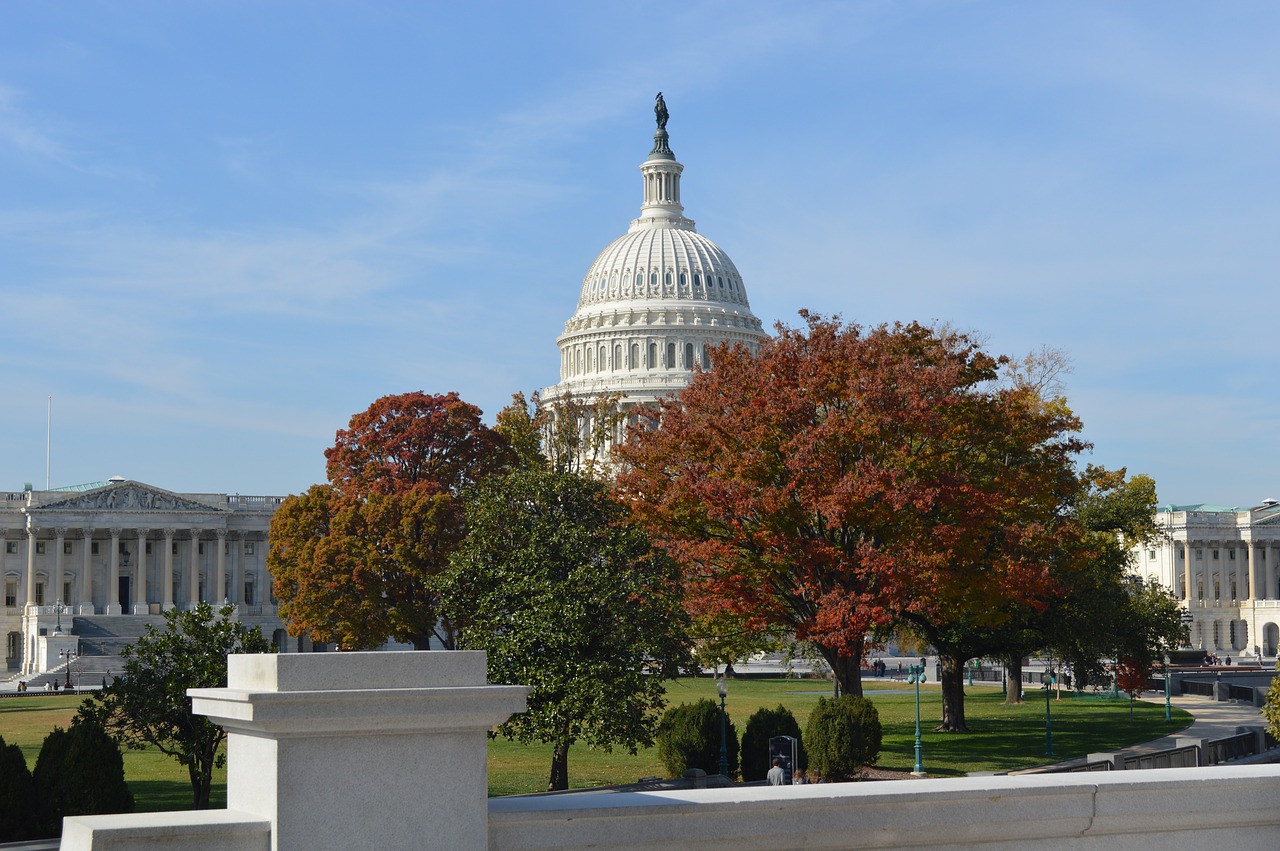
(200, 548)
(617, 358)
(1151, 555)
(39, 593)
(688, 355)
(40, 548)
(248, 548)
(66, 592)
(174, 548)
(93, 548)
(1231, 555)
(1199, 555)
(671, 355)
(148, 548)
(635, 356)
(10, 547)
(66, 548)
(653, 355)
(11, 594)
(1215, 555)
(706, 356)
(248, 594)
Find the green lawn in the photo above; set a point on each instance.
(1003, 738)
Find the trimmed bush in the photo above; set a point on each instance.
(761, 727)
(79, 772)
(842, 736)
(17, 796)
(689, 737)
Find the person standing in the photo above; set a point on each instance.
(776, 775)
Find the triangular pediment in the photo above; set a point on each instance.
(126, 496)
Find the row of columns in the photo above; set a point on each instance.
(219, 590)
(1248, 576)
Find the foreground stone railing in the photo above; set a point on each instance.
(388, 751)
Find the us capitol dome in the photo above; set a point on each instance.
(655, 302)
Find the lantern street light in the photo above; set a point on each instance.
(1168, 710)
(722, 687)
(69, 656)
(1048, 679)
(916, 676)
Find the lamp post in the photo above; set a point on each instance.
(69, 656)
(916, 676)
(1168, 710)
(57, 608)
(1048, 680)
(722, 687)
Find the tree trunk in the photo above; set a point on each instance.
(847, 671)
(952, 694)
(559, 768)
(201, 774)
(1013, 676)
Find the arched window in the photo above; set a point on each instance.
(706, 356)
(720, 281)
(684, 280)
(666, 279)
(617, 358)
(653, 279)
(589, 366)
(688, 355)
(603, 360)
(635, 356)
(671, 355)
(697, 280)
(653, 356)
(639, 280)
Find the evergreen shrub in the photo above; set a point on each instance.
(761, 727)
(842, 736)
(689, 737)
(17, 796)
(79, 772)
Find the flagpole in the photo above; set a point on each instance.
(48, 446)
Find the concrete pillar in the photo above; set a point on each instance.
(141, 593)
(1270, 592)
(113, 579)
(357, 720)
(220, 566)
(86, 572)
(167, 603)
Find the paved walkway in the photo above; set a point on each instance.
(1214, 720)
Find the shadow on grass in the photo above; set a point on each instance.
(154, 796)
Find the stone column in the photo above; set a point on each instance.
(167, 603)
(86, 572)
(220, 565)
(236, 594)
(59, 536)
(1186, 573)
(193, 593)
(113, 581)
(1253, 575)
(1270, 592)
(31, 562)
(386, 731)
(141, 592)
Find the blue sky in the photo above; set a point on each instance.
(225, 227)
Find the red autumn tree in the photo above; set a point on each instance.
(841, 477)
(356, 560)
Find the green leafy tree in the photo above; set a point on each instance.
(689, 737)
(79, 772)
(357, 560)
(762, 726)
(568, 598)
(1270, 709)
(148, 706)
(18, 813)
(843, 736)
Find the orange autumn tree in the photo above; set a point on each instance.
(842, 475)
(357, 560)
